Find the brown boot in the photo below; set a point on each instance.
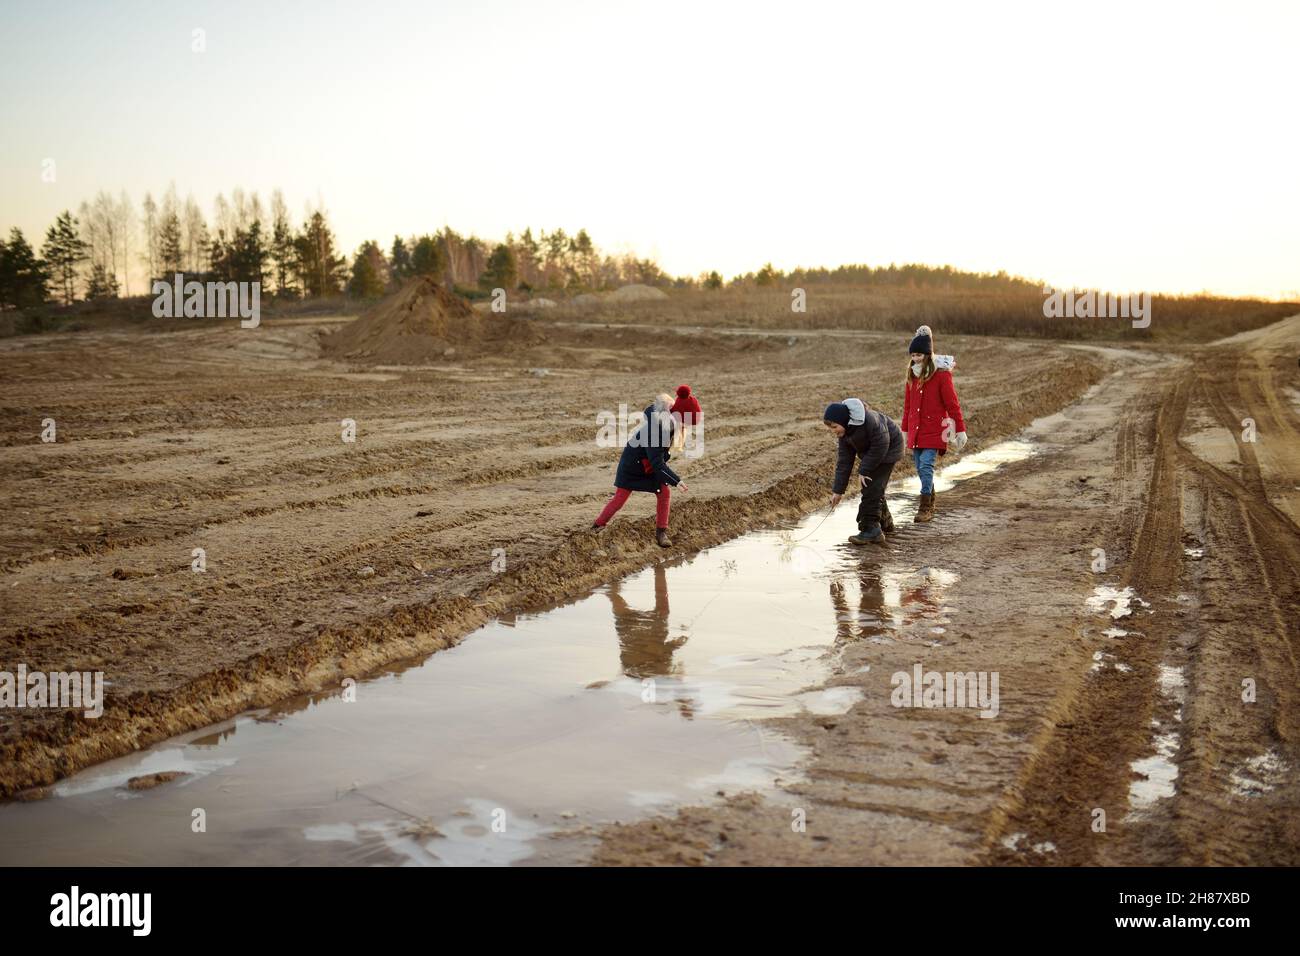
(661, 536)
(925, 510)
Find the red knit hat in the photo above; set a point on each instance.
(687, 406)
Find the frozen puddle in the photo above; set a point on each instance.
(1158, 772)
(511, 747)
(1118, 600)
(1259, 775)
(972, 466)
(1013, 842)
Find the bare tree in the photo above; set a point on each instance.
(195, 231)
(101, 230)
(149, 219)
(224, 220)
(124, 212)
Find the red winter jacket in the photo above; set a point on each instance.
(926, 406)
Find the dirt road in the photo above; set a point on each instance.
(326, 559)
(1148, 711)
(1132, 584)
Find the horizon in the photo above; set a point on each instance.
(745, 140)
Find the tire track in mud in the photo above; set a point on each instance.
(1082, 762)
(1213, 623)
(1238, 800)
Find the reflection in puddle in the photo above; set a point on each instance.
(881, 606)
(641, 695)
(168, 760)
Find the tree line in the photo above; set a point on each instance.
(90, 255)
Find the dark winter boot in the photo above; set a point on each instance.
(925, 511)
(886, 519)
(862, 538)
(661, 536)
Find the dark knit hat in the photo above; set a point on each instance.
(687, 406)
(838, 413)
(920, 344)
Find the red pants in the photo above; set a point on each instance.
(620, 498)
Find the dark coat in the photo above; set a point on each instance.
(877, 441)
(632, 472)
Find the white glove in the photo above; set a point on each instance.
(865, 480)
(959, 440)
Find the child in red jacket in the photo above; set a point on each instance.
(931, 416)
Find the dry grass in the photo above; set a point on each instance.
(1005, 312)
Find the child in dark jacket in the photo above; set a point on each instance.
(874, 438)
(643, 466)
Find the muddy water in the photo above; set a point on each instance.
(512, 746)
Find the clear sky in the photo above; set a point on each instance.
(1131, 145)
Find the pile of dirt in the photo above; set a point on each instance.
(421, 322)
(637, 293)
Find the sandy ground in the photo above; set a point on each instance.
(1127, 732)
(229, 440)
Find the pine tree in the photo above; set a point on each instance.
(171, 256)
(400, 260)
(502, 271)
(317, 265)
(369, 272)
(428, 258)
(64, 251)
(102, 283)
(250, 252)
(23, 276)
(529, 254)
(282, 248)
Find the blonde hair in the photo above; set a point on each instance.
(661, 410)
(664, 405)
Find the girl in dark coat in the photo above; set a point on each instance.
(643, 466)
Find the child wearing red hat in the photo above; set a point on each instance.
(643, 466)
(687, 406)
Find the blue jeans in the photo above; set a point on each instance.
(923, 458)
